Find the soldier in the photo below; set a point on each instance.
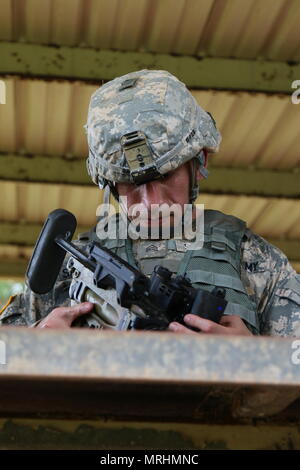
(175, 136)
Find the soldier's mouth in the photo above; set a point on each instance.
(152, 219)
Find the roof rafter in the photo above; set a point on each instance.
(59, 170)
(78, 63)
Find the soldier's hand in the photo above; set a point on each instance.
(229, 325)
(63, 317)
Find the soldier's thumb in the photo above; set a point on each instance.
(80, 309)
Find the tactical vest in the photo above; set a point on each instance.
(217, 263)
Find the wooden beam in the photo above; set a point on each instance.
(13, 268)
(43, 169)
(215, 361)
(75, 63)
(254, 181)
(290, 247)
(166, 380)
(59, 170)
(24, 234)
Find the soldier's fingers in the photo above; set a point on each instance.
(230, 320)
(235, 325)
(178, 328)
(206, 326)
(71, 313)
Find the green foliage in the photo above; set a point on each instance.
(8, 288)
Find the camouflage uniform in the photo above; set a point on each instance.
(269, 279)
(140, 127)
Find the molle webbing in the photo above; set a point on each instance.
(217, 263)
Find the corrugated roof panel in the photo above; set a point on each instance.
(242, 117)
(296, 266)
(261, 130)
(130, 24)
(34, 116)
(194, 18)
(277, 151)
(13, 252)
(9, 207)
(257, 129)
(76, 142)
(165, 25)
(83, 202)
(101, 23)
(6, 21)
(294, 231)
(220, 106)
(51, 117)
(38, 21)
(278, 218)
(44, 117)
(59, 118)
(73, 10)
(8, 135)
(204, 98)
(224, 27)
(271, 217)
(264, 17)
(292, 154)
(33, 202)
(245, 207)
(227, 28)
(284, 41)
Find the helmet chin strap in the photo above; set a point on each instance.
(109, 188)
(194, 189)
(106, 194)
(197, 164)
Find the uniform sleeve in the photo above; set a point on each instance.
(273, 285)
(27, 308)
(13, 312)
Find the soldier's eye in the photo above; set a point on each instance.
(168, 175)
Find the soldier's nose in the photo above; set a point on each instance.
(153, 193)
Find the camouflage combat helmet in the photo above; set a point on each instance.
(143, 125)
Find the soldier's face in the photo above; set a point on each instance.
(172, 189)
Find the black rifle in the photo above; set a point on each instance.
(124, 297)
